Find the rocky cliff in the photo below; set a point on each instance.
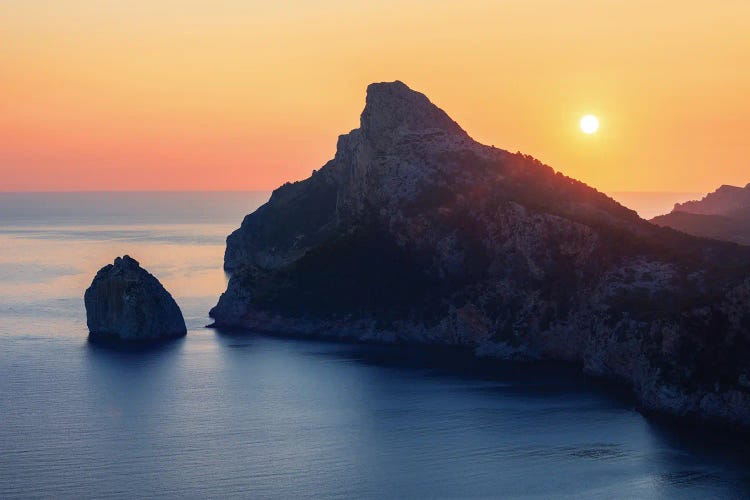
(723, 201)
(723, 215)
(414, 232)
(125, 303)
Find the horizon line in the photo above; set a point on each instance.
(79, 191)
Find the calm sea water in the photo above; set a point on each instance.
(247, 416)
(649, 204)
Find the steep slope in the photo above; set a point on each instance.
(723, 215)
(414, 232)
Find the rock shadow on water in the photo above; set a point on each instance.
(528, 379)
(98, 342)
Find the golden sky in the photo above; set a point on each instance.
(232, 94)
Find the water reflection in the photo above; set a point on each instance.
(429, 418)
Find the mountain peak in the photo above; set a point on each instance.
(393, 109)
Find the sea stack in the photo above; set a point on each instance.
(125, 303)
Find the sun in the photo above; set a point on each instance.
(589, 124)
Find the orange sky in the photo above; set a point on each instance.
(233, 94)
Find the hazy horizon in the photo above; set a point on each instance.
(648, 204)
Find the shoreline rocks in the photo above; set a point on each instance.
(127, 304)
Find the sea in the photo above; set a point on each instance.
(243, 415)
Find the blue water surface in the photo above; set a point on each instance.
(221, 414)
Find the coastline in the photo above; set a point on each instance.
(669, 404)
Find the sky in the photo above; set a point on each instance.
(233, 94)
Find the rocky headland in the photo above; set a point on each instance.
(414, 232)
(723, 215)
(126, 304)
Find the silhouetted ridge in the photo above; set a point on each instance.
(723, 215)
(414, 232)
(723, 201)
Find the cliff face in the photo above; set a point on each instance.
(416, 233)
(722, 215)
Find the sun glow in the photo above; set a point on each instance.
(589, 124)
(229, 95)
